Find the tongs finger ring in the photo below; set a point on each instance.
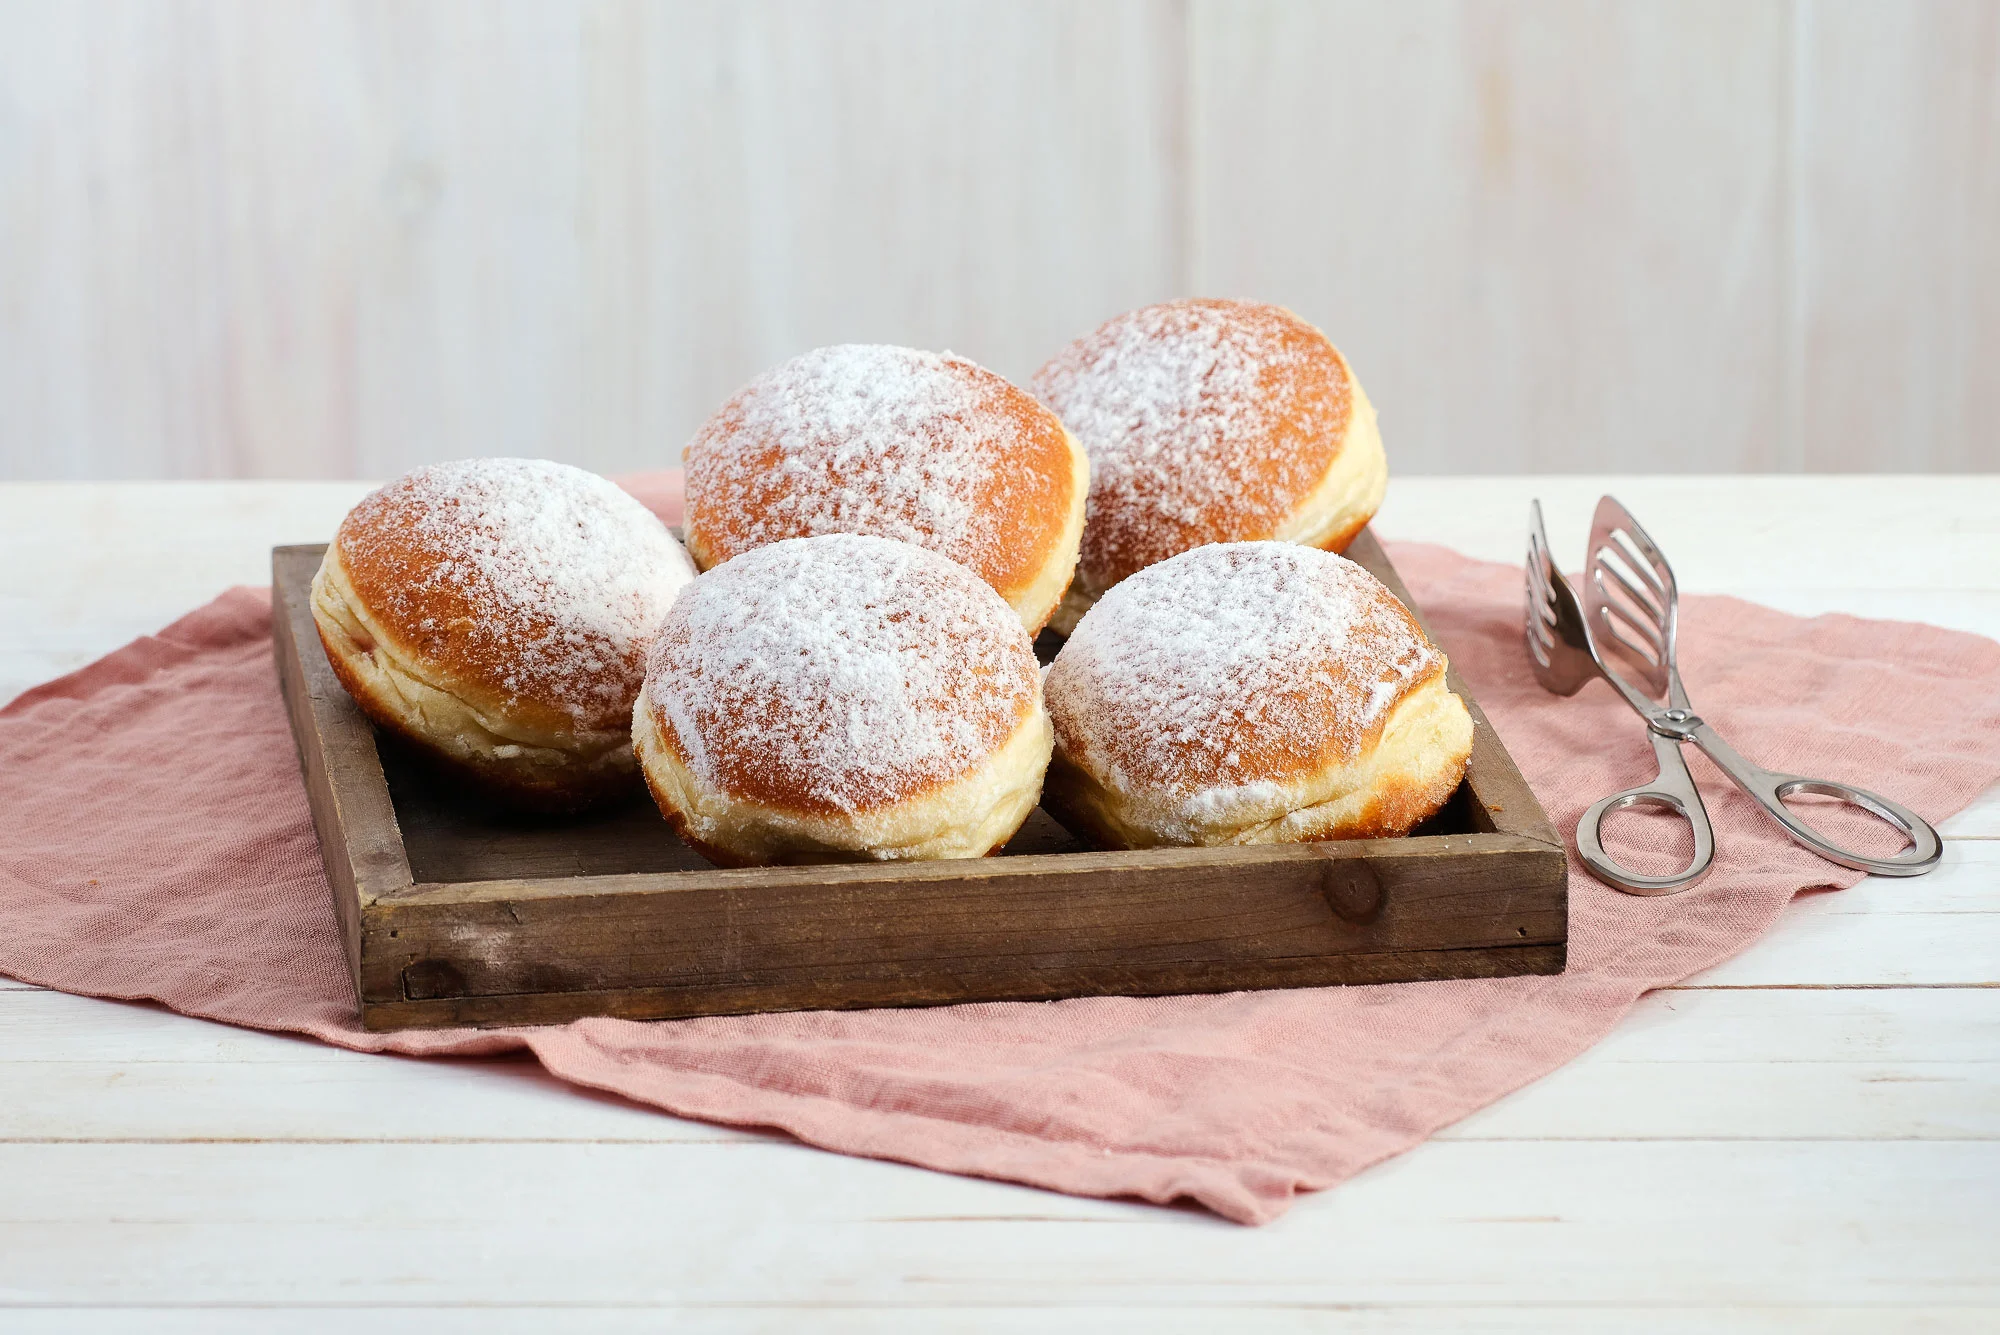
(1771, 788)
(1673, 789)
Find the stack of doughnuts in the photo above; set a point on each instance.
(881, 532)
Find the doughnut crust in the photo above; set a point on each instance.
(923, 447)
(1250, 693)
(1211, 421)
(495, 613)
(842, 698)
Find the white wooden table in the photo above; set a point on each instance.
(1806, 1137)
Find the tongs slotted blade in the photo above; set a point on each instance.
(1630, 600)
(1557, 646)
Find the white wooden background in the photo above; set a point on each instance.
(339, 237)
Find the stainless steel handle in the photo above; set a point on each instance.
(1673, 789)
(1770, 788)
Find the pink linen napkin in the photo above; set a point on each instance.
(156, 845)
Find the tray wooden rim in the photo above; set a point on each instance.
(370, 872)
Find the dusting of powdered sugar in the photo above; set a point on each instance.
(547, 580)
(866, 438)
(1204, 420)
(1212, 674)
(839, 673)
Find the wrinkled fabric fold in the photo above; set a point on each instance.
(156, 845)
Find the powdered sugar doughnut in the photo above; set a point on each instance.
(923, 447)
(496, 612)
(1243, 693)
(1211, 421)
(842, 698)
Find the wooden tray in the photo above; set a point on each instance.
(456, 914)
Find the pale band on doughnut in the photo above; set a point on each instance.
(1392, 787)
(511, 745)
(966, 818)
(1352, 490)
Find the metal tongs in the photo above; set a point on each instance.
(1629, 607)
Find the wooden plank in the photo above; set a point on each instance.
(367, 1100)
(1097, 1316)
(1723, 1101)
(1980, 820)
(878, 172)
(1534, 228)
(1565, 214)
(69, 556)
(1731, 535)
(359, 841)
(1691, 1222)
(1974, 611)
(1769, 1028)
(1854, 950)
(909, 987)
(789, 938)
(1760, 1064)
(1900, 202)
(1939, 930)
(1873, 1064)
(348, 238)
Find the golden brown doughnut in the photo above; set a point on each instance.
(1211, 421)
(1244, 693)
(923, 447)
(842, 698)
(496, 613)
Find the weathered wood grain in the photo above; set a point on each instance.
(455, 916)
(359, 842)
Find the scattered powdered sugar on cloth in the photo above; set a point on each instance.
(1262, 659)
(840, 673)
(547, 578)
(1205, 421)
(863, 438)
